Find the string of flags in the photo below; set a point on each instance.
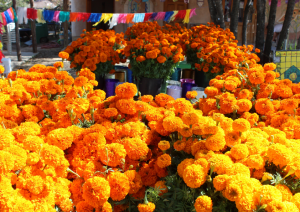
(41, 16)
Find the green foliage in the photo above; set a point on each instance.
(5, 4)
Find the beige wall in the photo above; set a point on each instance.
(77, 27)
(121, 6)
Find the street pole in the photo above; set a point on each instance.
(66, 24)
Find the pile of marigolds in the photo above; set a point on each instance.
(66, 147)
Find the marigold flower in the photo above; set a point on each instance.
(172, 124)
(191, 94)
(126, 90)
(135, 181)
(7, 162)
(58, 65)
(164, 145)
(194, 176)
(164, 161)
(119, 185)
(2, 69)
(84, 206)
(146, 207)
(241, 125)
(96, 191)
(61, 138)
(203, 204)
(268, 193)
(160, 185)
(239, 151)
(63, 55)
(126, 106)
(220, 182)
(147, 98)
(285, 191)
(216, 142)
(179, 145)
(135, 148)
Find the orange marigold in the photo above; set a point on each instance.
(146, 207)
(164, 161)
(119, 185)
(203, 204)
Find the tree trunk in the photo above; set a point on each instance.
(212, 11)
(286, 24)
(17, 34)
(245, 22)
(220, 13)
(270, 32)
(298, 43)
(66, 25)
(260, 30)
(234, 18)
(33, 32)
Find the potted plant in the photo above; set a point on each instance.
(152, 61)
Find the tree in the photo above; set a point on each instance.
(260, 30)
(286, 23)
(270, 32)
(248, 7)
(216, 12)
(5, 4)
(234, 19)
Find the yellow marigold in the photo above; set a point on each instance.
(268, 193)
(164, 145)
(255, 162)
(61, 138)
(196, 146)
(126, 90)
(216, 142)
(279, 154)
(36, 185)
(179, 145)
(52, 155)
(126, 106)
(119, 185)
(19, 155)
(32, 158)
(191, 94)
(164, 161)
(106, 207)
(84, 206)
(232, 138)
(146, 207)
(232, 192)
(147, 98)
(185, 163)
(241, 125)
(160, 185)
(285, 191)
(96, 191)
(135, 181)
(290, 207)
(7, 162)
(238, 168)
(172, 124)
(220, 182)
(112, 154)
(2, 69)
(192, 117)
(203, 204)
(275, 205)
(239, 151)
(6, 139)
(194, 176)
(204, 163)
(136, 148)
(247, 203)
(63, 55)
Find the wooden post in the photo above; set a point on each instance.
(33, 32)
(66, 25)
(17, 34)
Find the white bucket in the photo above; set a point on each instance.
(6, 62)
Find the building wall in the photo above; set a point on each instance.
(122, 6)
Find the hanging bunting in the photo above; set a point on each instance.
(15, 15)
(48, 14)
(73, 16)
(138, 17)
(180, 15)
(11, 12)
(7, 17)
(160, 16)
(193, 12)
(113, 21)
(40, 17)
(129, 18)
(153, 16)
(123, 21)
(56, 16)
(120, 18)
(147, 16)
(168, 15)
(173, 16)
(186, 19)
(64, 16)
(3, 19)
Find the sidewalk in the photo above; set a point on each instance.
(14, 58)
